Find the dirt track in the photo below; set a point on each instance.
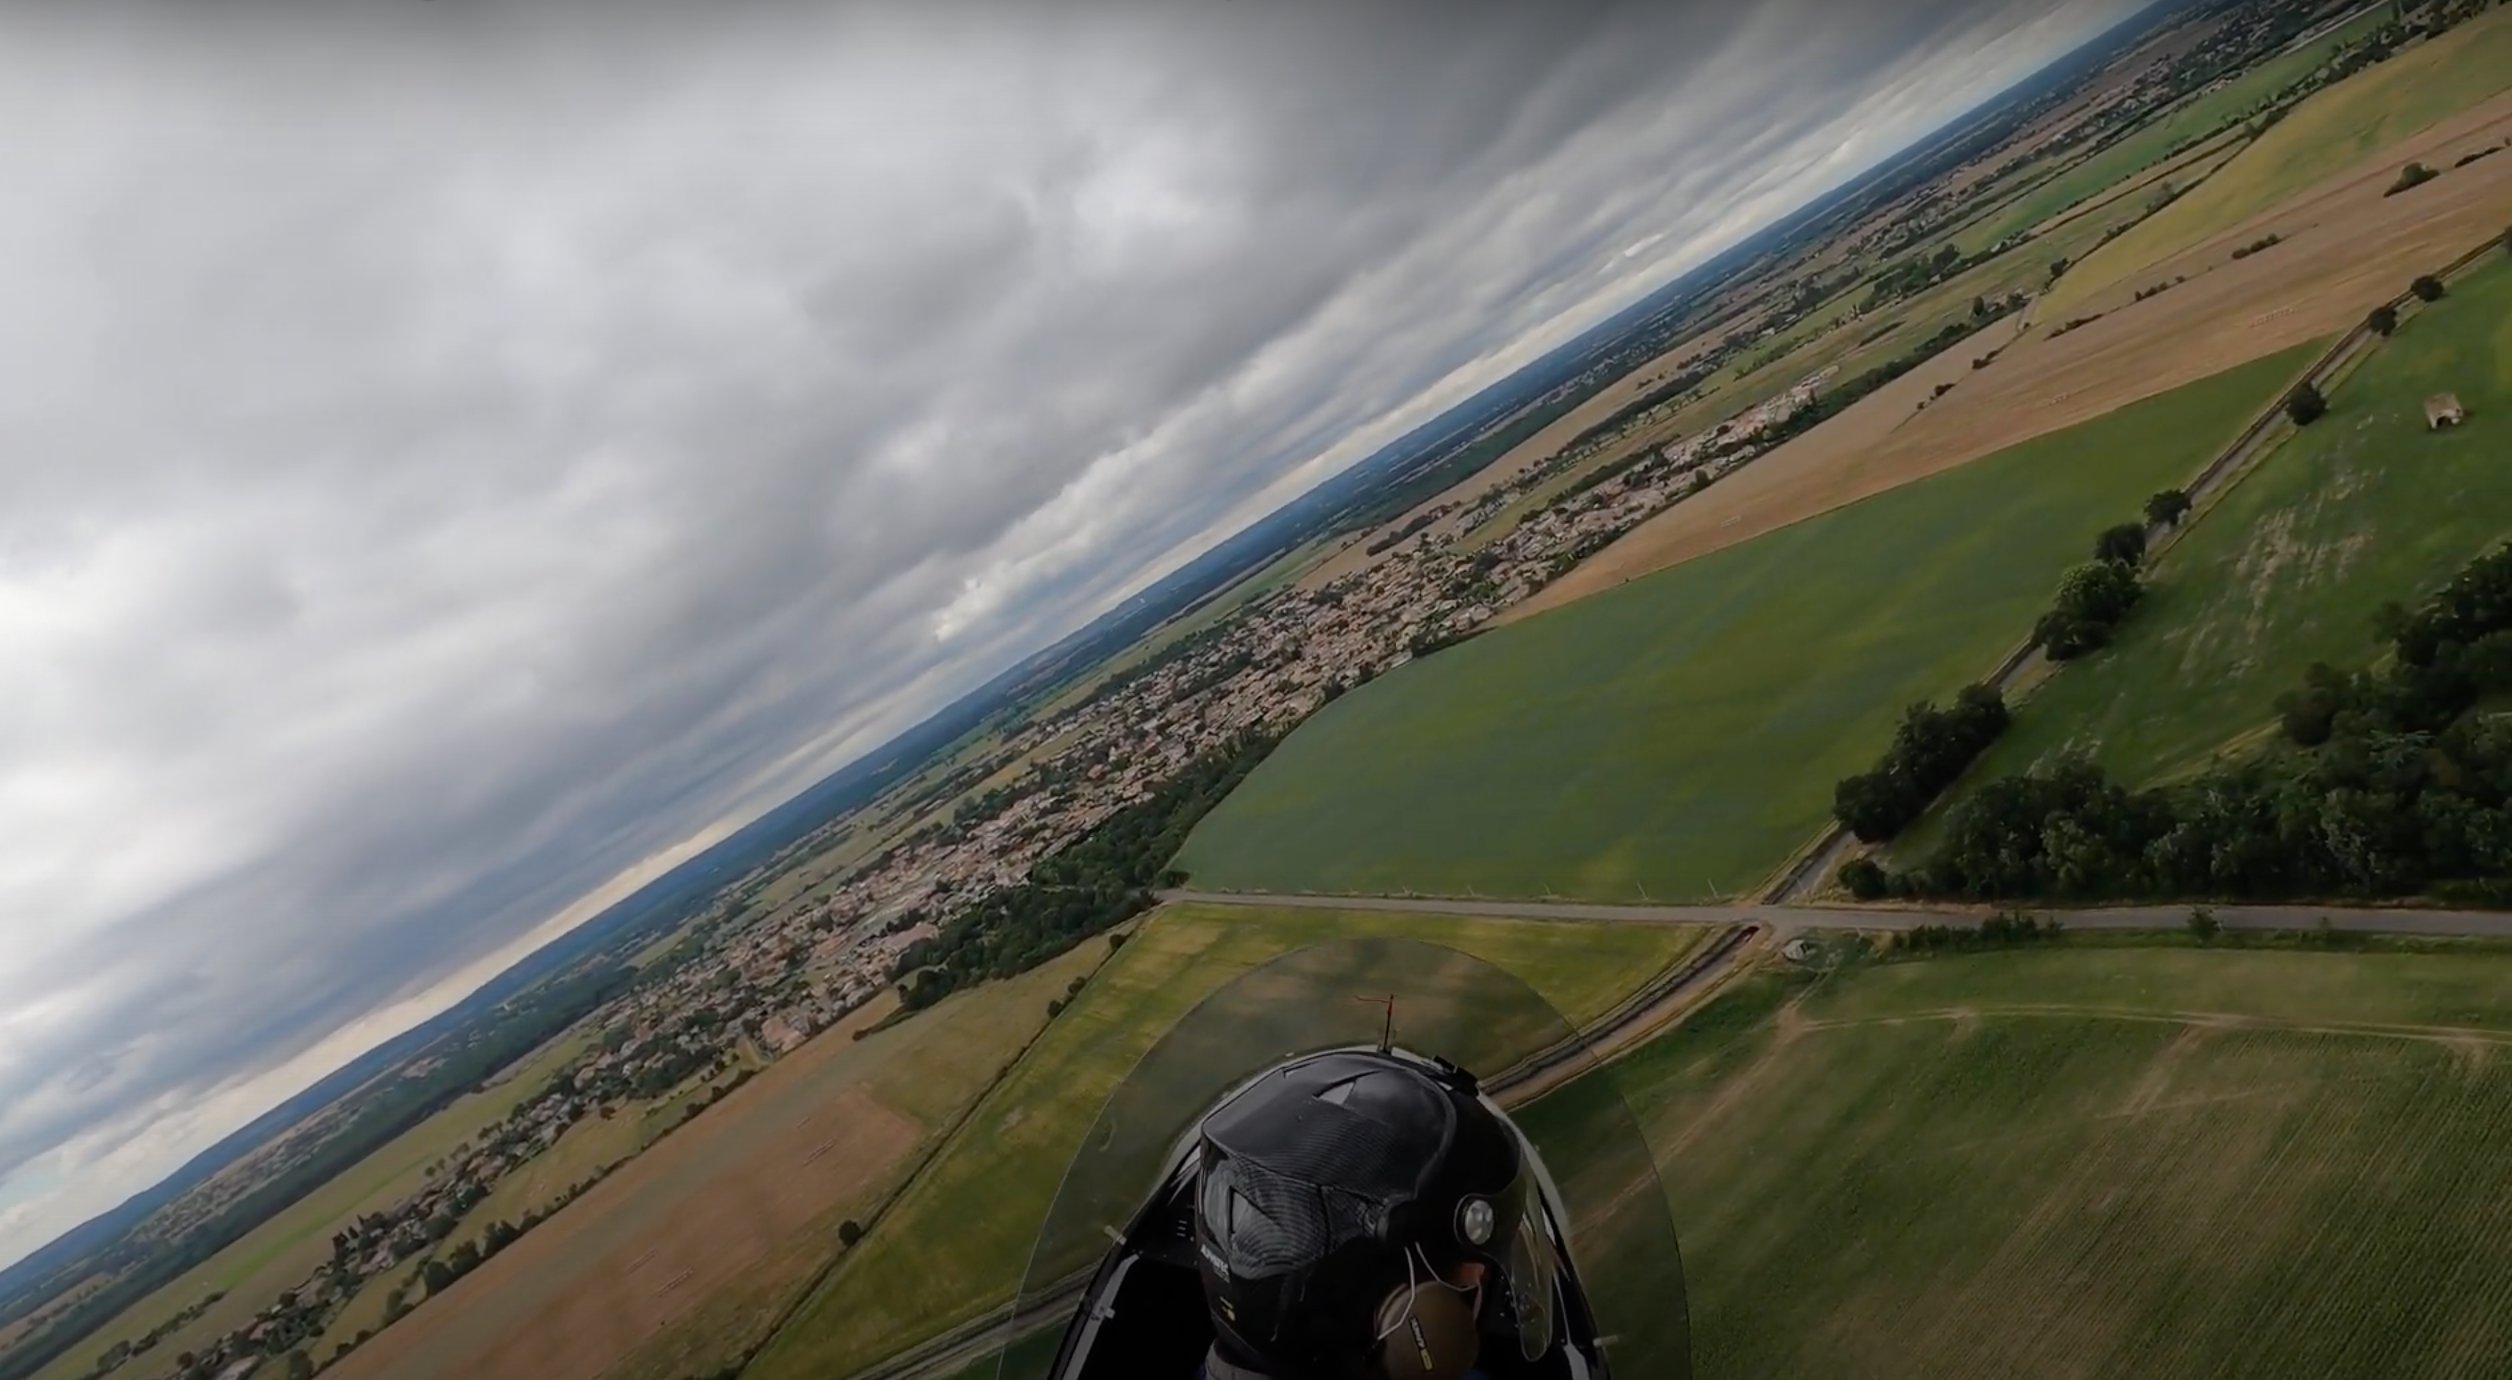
(2345, 248)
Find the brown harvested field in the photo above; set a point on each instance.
(752, 1188)
(2346, 249)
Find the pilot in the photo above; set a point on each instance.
(1361, 1216)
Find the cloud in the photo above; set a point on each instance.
(456, 453)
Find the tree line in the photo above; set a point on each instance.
(2385, 783)
(1930, 749)
(1092, 884)
(2095, 596)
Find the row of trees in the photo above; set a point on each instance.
(1092, 884)
(2095, 596)
(2307, 404)
(2390, 785)
(1930, 749)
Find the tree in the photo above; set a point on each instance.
(2384, 320)
(436, 1277)
(2167, 507)
(2064, 637)
(2428, 288)
(2305, 404)
(2124, 544)
(2057, 267)
(2100, 591)
(849, 1232)
(2203, 924)
(300, 1366)
(2090, 600)
(1862, 878)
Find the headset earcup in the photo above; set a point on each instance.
(1430, 1333)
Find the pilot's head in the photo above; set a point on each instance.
(1367, 1216)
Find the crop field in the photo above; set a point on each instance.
(2363, 507)
(282, 1251)
(684, 1256)
(1680, 734)
(2194, 119)
(957, 1242)
(2094, 1162)
(2334, 130)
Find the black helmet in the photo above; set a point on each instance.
(1340, 1196)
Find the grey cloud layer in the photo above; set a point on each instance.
(450, 453)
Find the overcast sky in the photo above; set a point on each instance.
(455, 457)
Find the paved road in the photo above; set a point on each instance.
(2353, 919)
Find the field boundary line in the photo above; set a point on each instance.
(2267, 432)
(914, 1175)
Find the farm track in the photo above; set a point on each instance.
(1812, 867)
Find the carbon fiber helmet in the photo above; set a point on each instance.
(1338, 1196)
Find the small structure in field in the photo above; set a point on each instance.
(2443, 411)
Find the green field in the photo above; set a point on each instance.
(1682, 733)
(2096, 1162)
(2324, 136)
(2363, 507)
(958, 1241)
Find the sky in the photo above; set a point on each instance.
(457, 459)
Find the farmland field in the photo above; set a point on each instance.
(2197, 118)
(282, 1251)
(957, 1242)
(2152, 1162)
(2325, 135)
(1682, 733)
(2361, 508)
(701, 1239)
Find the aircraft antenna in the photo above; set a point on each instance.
(1387, 1033)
